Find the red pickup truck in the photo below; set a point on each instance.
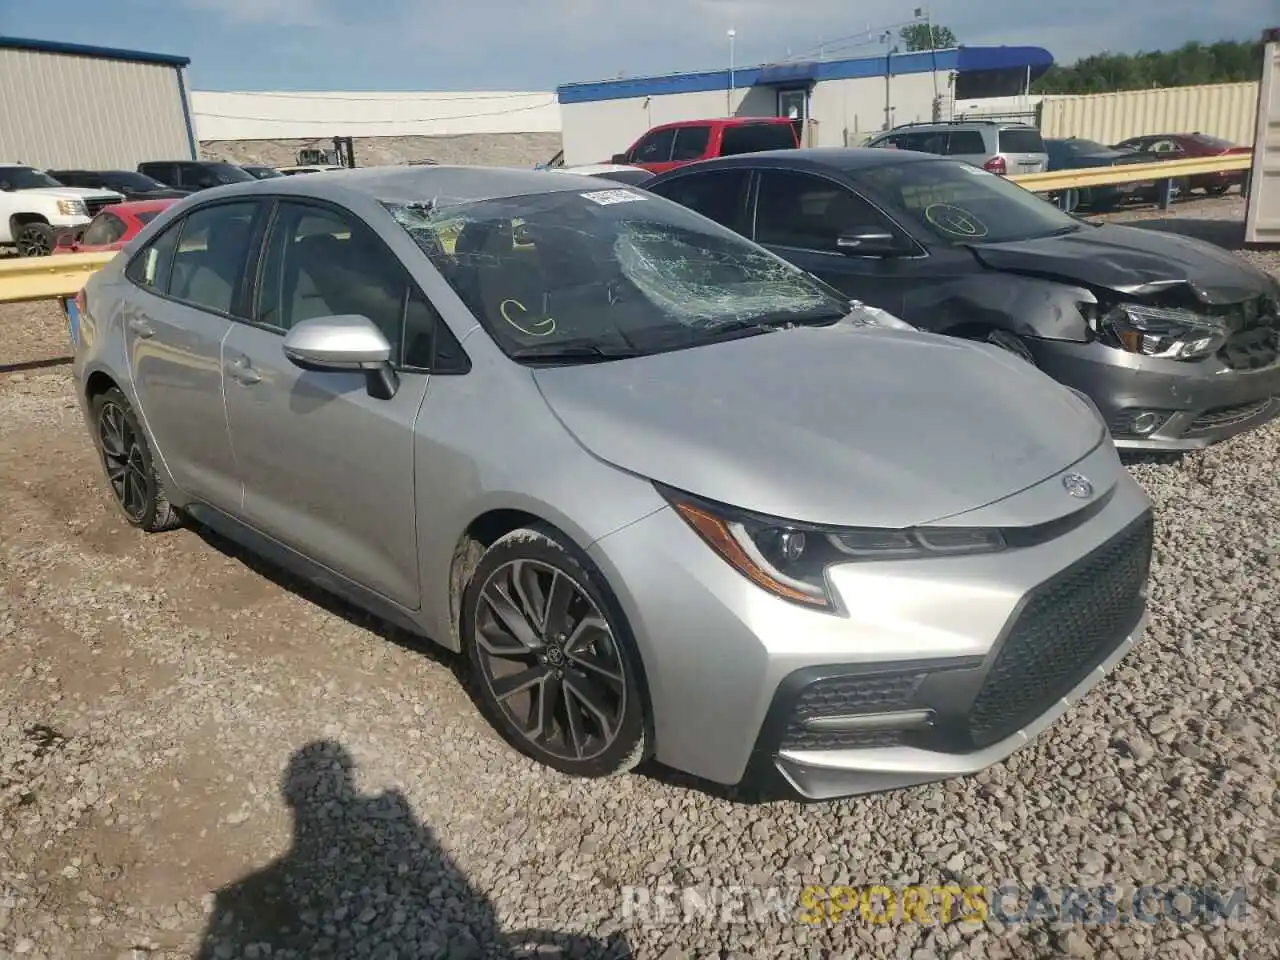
(673, 145)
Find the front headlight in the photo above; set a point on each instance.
(870, 316)
(790, 560)
(1167, 332)
(72, 208)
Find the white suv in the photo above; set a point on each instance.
(34, 208)
(1003, 148)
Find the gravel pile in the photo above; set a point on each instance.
(199, 757)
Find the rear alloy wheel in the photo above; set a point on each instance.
(126, 458)
(1011, 342)
(551, 659)
(34, 240)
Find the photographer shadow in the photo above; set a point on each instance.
(363, 878)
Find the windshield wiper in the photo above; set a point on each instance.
(572, 352)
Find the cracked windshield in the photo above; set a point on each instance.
(609, 272)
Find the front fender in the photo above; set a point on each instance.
(1027, 306)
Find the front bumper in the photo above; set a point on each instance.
(935, 668)
(1195, 404)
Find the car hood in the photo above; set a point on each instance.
(71, 193)
(843, 425)
(1132, 261)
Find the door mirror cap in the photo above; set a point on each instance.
(868, 243)
(345, 342)
(619, 158)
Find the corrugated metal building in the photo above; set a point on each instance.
(68, 105)
(844, 101)
(1224, 110)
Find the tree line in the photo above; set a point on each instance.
(1227, 61)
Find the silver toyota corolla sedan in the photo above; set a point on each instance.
(671, 496)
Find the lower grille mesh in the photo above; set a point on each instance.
(1066, 628)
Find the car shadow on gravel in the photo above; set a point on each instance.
(329, 602)
(364, 878)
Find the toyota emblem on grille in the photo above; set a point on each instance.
(1078, 486)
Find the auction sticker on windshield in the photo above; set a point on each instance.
(606, 197)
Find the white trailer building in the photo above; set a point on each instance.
(842, 101)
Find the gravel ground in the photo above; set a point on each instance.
(189, 741)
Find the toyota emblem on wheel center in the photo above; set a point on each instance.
(1078, 486)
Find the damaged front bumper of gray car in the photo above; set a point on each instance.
(1173, 378)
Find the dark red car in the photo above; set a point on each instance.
(113, 227)
(673, 145)
(1178, 146)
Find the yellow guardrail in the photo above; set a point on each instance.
(47, 278)
(1131, 173)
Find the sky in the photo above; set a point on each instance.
(428, 45)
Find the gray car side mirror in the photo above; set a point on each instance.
(347, 342)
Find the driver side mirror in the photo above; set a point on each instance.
(344, 343)
(619, 158)
(868, 243)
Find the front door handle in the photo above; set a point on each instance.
(141, 328)
(241, 370)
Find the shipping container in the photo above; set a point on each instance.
(1227, 110)
(1262, 220)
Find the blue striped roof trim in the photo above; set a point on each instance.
(962, 59)
(83, 50)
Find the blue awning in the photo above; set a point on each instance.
(974, 59)
(806, 72)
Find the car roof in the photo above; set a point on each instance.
(722, 122)
(846, 159)
(418, 184)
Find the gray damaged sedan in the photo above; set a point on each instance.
(671, 496)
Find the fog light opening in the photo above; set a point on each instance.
(1144, 423)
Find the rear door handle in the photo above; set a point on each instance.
(141, 328)
(242, 371)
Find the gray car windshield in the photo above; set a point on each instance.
(959, 203)
(609, 272)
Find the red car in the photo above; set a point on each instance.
(112, 228)
(673, 145)
(1177, 146)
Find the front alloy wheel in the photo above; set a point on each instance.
(549, 659)
(34, 240)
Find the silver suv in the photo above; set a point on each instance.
(1003, 148)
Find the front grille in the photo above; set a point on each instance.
(1228, 416)
(95, 205)
(1069, 624)
(1251, 349)
(843, 696)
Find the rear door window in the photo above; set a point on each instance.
(1021, 141)
(965, 143)
(754, 137)
(691, 143)
(716, 195)
(151, 268)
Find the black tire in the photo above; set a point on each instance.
(127, 462)
(1011, 342)
(1217, 189)
(528, 677)
(34, 240)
